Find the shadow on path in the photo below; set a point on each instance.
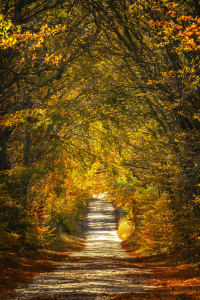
(103, 267)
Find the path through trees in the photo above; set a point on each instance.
(101, 270)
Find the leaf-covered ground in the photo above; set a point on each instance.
(174, 277)
(16, 269)
(19, 268)
(102, 268)
(176, 280)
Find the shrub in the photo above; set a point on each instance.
(125, 228)
(8, 240)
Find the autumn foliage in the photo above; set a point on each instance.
(95, 96)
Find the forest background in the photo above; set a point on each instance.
(100, 96)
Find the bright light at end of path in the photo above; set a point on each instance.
(103, 196)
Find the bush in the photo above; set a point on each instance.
(125, 228)
(8, 240)
(41, 236)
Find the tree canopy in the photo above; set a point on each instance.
(100, 96)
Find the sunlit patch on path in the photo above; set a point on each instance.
(102, 267)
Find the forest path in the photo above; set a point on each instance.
(99, 271)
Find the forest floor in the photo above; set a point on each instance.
(19, 268)
(101, 270)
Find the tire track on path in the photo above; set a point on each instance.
(99, 271)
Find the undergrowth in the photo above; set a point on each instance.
(125, 228)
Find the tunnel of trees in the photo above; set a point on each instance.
(100, 96)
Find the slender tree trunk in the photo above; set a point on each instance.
(4, 136)
(24, 181)
(25, 177)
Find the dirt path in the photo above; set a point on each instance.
(101, 270)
